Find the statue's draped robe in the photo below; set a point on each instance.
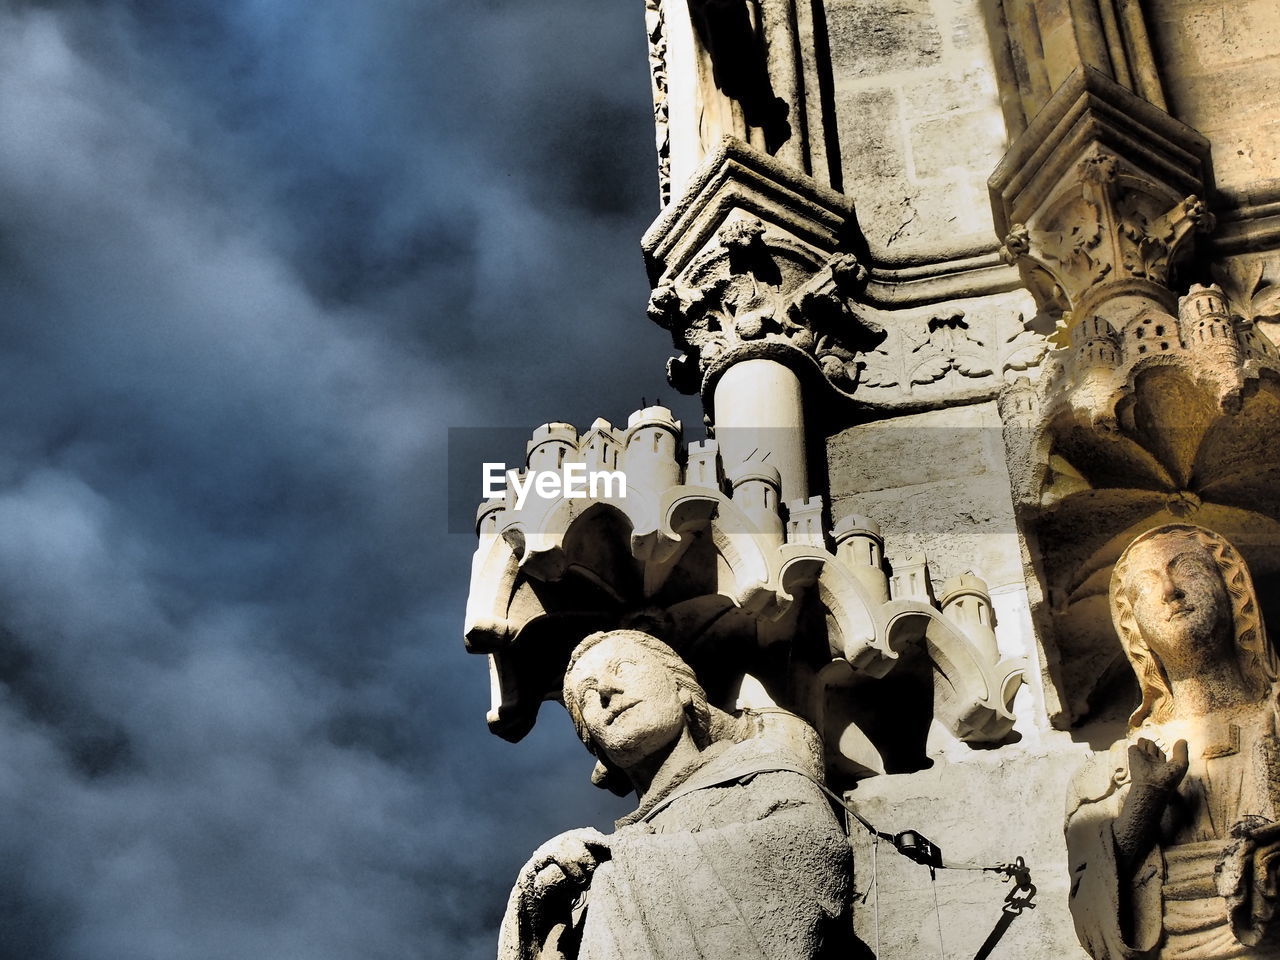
(1180, 905)
(742, 859)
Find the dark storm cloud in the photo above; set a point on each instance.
(255, 258)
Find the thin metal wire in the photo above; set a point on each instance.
(875, 887)
(937, 912)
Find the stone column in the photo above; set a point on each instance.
(759, 413)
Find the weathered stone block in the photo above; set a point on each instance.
(918, 449)
(871, 37)
(937, 483)
(967, 26)
(1222, 34)
(871, 132)
(946, 93)
(969, 141)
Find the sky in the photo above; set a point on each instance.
(257, 257)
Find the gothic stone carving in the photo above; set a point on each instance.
(1252, 288)
(655, 26)
(756, 261)
(744, 586)
(732, 853)
(1169, 417)
(1098, 200)
(1172, 840)
(755, 294)
(949, 356)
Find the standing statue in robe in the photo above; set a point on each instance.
(1171, 837)
(733, 854)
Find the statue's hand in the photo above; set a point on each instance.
(1149, 769)
(1153, 777)
(567, 862)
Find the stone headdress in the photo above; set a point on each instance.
(1257, 657)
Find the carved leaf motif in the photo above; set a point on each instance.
(1024, 358)
(968, 365)
(878, 370)
(931, 370)
(1250, 288)
(1024, 349)
(1266, 304)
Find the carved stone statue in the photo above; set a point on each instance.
(733, 853)
(1171, 837)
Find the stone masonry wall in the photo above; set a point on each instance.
(1220, 65)
(920, 125)
(937, 483)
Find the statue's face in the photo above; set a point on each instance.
(1179, 601)
(629, 700)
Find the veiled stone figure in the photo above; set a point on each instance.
(1171, 837)
(733, 853)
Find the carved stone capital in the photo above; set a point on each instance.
(750, 299)
(1099, 200)
(755, 260)
(758, 261)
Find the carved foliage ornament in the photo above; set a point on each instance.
(1252, 288)
(753, 290)
(756, 293)
(656, 27)
(1105, 226)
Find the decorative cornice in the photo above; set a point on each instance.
(737, 177)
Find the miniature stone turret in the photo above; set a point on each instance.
(652, 442)
(551, 445)
(1205, 319)
(1095, 355)
(1151, 334)
(600, 447)
(703, 467)
(966, 603)
(860, 547)
(756, 486)
(1207, 328)
(804, 522)
(1096, 346)
(910, 579)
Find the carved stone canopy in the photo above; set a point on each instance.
(1168, 418)
(709, 564)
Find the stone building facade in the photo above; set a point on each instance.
(974, 292)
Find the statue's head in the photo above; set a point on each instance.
(1181, 600)
(630, 695)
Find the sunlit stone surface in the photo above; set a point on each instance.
(975, 296)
